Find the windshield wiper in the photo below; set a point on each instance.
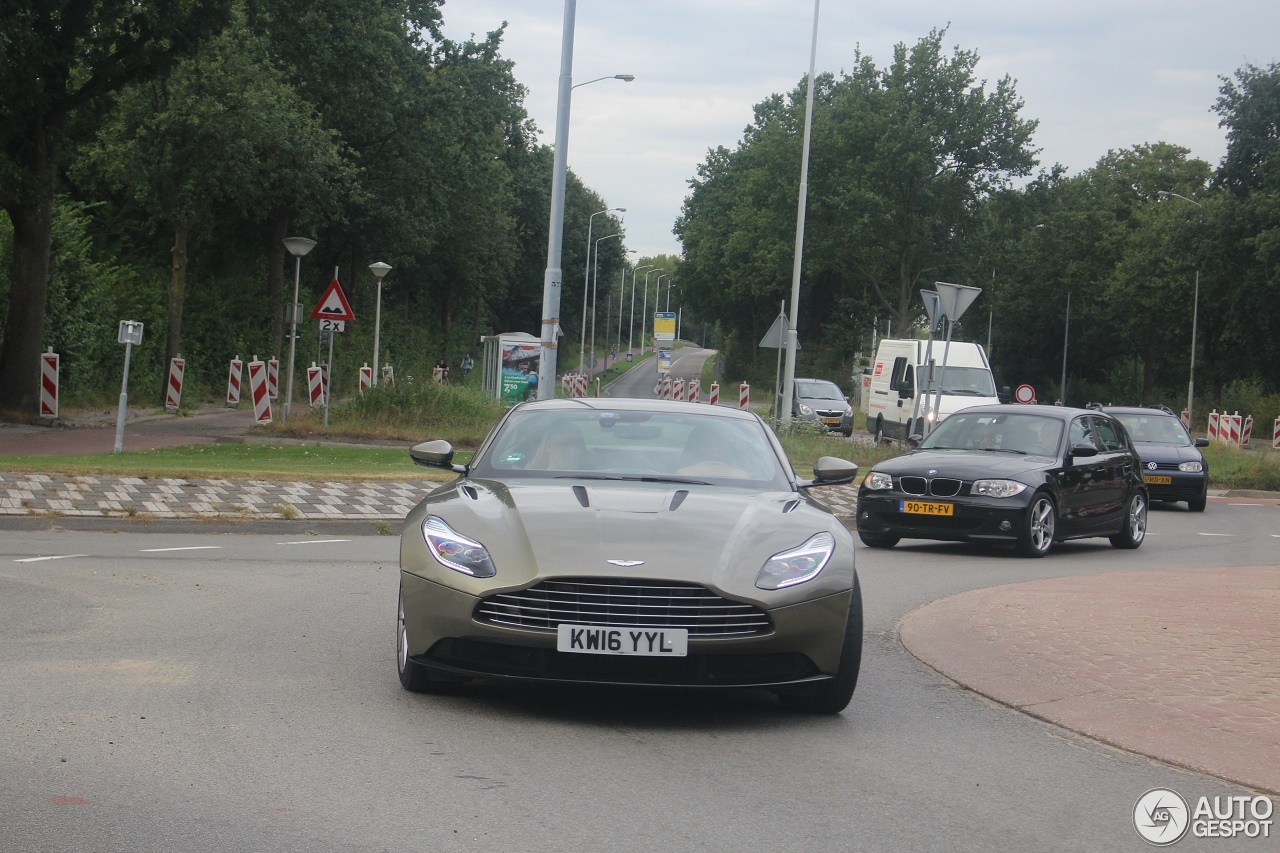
(686, 481)
(1003, 450)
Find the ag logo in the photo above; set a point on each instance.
(1161, 816)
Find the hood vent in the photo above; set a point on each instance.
(677, 499)
(580, 492)
(790, 506)
(470, 491)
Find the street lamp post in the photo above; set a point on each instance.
(297, 246)
(1195, 316)
(670, 285)
(595, 277)
(625, 78)
(379, 269)
(586, 279)
(644, 309)
(631, 321)
(622, 287)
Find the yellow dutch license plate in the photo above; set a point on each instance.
(926, 508)
(1157, 480)
(831, 421)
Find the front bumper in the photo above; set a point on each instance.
(804, 646)
(1185, 487)
(973, 519)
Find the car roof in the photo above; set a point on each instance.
(1138, 410)
(633, 404)
(1063, 413)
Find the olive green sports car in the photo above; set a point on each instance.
(630, 542)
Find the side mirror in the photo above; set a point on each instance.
(435, 454)
(1083, 451)
(913, 440)
(833, 471)
(1202, 442)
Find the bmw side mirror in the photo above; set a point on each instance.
(914, 440)
(1202, 442)
(833, 471)
(435, 454)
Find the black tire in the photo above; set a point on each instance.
(878, 540)
(878, 432)
(1038, 527)
(832, 697)
(414, 676)
(1134, 529)
(1198, 504)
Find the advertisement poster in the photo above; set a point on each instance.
(664, 362)
(519, 371)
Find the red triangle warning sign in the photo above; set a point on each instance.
(333, 305)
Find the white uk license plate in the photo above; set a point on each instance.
(605, 640)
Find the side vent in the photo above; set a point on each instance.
(580, 492)
(790, 506)
(677, 499)
(470, 491)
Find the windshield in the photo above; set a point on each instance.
(633, 445)
(1031, 435)
(818, 391)
(967, 381)
(1154, 429)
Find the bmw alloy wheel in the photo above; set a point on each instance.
(1040, 526)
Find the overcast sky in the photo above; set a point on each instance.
(1097, 75)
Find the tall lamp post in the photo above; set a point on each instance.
(379, 269)
(297, 246)
(595, 277)
(631, 324)
(586, 278)
(670, 285)
(644, 309)
(1195, 316)
(622, 287)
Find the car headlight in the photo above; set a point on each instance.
(878, 480)
(998, 488)
(805, 410)
(1191, 467)
(456, 551)
(798, 565)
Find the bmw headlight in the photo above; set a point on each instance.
(1191, 467)
(878, 480)
(798, 565)
(998, 488)
(456, 551)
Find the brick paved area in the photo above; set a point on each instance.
(1181, 665)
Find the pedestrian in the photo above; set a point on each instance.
(468, 363)
(442, 370)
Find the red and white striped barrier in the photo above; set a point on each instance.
(713, 396)
(50, 365)
(1275, 435)
(744, 396)
(173, 389)
(1185, 417)
(677, 390)
(314, 385)
(695, 390)
(581, 380)
(1231, 435)
(233, 382)
(258, 391)
(1213, 428)
(366, 377)
(437, 374)
(1246, 431)
(273, 378)
(388, 375)
(666, 388)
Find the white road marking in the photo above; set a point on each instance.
(188, 548)
(1245, 504)
(1213, 534)
(314, 542)
(57, 557)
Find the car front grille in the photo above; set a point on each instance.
(624, 602)
(942, 487)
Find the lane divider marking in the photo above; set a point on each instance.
(57, 557)
(1213, 534)
(187, 548)
(314, 542)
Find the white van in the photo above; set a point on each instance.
(897, 403)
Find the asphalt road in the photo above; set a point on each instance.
(239, 694)
(686, 363)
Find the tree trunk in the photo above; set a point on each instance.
(177, 288)
(276, 255)
(32, 220)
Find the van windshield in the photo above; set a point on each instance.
(967, 381)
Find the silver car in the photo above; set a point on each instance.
(820, 401)
(630, 542)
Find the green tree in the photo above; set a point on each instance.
(61, 60)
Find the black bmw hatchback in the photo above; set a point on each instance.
(1027, 475)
